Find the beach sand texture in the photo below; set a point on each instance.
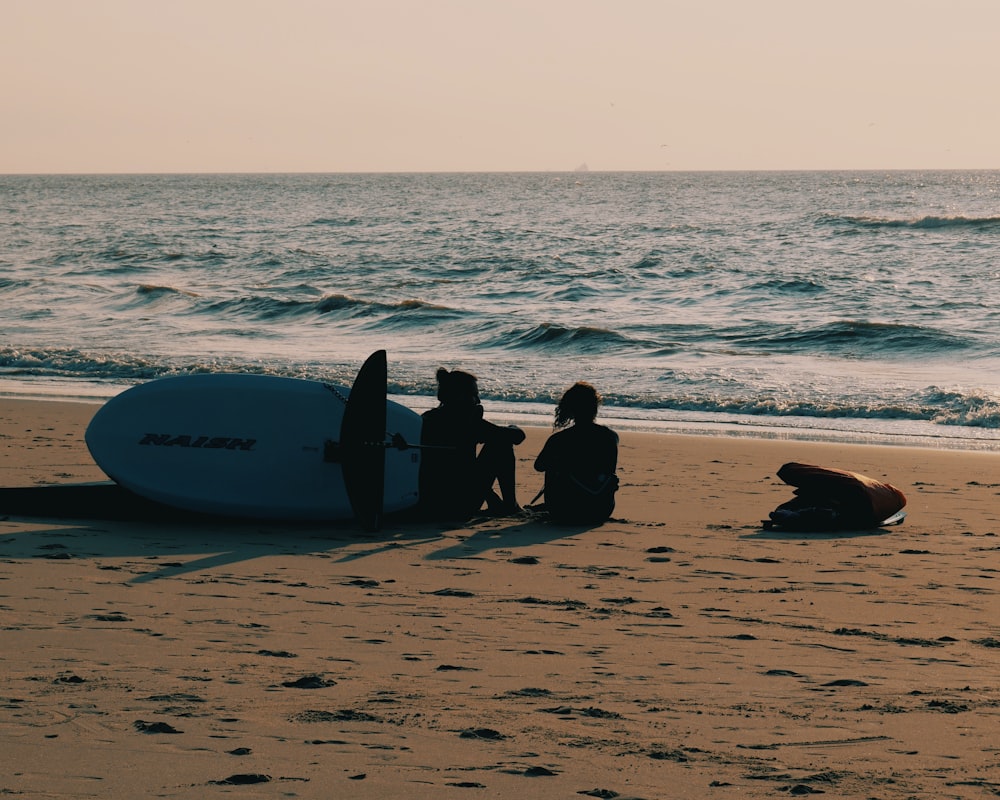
(676, 651)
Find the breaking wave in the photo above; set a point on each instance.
(928, 222)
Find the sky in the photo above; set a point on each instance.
(98, 86)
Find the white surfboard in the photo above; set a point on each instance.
(243, 445)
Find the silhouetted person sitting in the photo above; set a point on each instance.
(579, 461)
(455, 479)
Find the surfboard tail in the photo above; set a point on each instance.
(362, 442)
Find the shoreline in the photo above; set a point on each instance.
(678, 645)
(910, 434)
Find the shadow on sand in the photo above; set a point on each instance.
(507, 533)
(784, 535)
(155, 530)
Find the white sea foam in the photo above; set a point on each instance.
(806, 301)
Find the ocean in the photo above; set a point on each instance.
(854, 306)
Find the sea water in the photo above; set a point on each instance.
(852, 305)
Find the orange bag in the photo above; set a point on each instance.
(835, 499)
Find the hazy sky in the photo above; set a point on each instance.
(471, 85)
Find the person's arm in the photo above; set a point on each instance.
(610, 450)
(547, 458)
(488, 433)
(541, 462)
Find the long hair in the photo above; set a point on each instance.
(578, 404)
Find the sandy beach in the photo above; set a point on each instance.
(678, 651)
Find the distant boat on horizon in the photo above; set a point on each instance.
(582, 168)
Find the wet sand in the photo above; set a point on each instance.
(679, 650)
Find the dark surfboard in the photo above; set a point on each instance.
(363, 442)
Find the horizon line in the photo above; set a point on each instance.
(576, 172)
